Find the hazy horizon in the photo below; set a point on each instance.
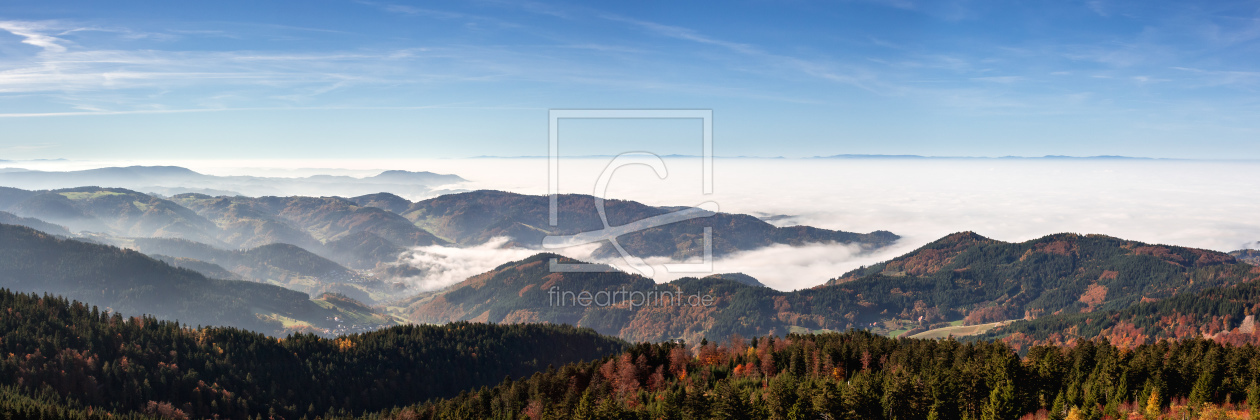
(1201, 204)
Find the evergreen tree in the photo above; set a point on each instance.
(1253, 400)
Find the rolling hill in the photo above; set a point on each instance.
(132, 283)
(335, 228)
(476, 217)
(33, 223)
(280, 264)
(312, 222)
(115, 211)
(1249, 256)
(962, 277)
(1225, 314)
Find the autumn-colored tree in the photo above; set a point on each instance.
(1152, 405)
(1075, 414)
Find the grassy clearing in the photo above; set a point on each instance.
(959, 330)
(286, 321)
(88, 195)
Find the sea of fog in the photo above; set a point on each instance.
(1204, 204)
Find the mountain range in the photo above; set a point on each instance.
(75, 360)
(962, 278)
(368, 236)
(476, 217)
(346, 251)
(128, 282)
(171, 180)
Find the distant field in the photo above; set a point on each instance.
(88, 195)
(959, 331)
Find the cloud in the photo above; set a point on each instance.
(1200, 204)
(786, 267)
(26, 147)
(30, 33)
(686, 34)
(443, 266)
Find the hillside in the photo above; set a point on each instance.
(361, 237)
(137, 364)
(33, 223)
(115, 211)
(132, 283)
(475, 217)
(961, 277)
(1064, 273)
(284, 265)
(856, 375)
(1223, 314)
(1249, 256)
(311, 222)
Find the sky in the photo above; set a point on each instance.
(372, 79)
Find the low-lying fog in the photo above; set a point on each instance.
(1211, 205)
(1204, 204)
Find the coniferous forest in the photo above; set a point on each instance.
(857, 375)
(63, 359)
(63, 354)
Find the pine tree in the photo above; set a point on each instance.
(1059, 410)
(1253, 400)
(1001, 404)
(585, 408)
(1202, 391)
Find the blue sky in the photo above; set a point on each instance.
(368, 79)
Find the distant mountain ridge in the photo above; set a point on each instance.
(374, 231)
(115, 211)
(476, 217)
(1250, 256)
(284, 264)
(172, 180)
(362, 237)
(33, 223)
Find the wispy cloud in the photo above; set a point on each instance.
(26, 147)
(102, 112)
(31, 33)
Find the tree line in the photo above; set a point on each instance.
(103, 361)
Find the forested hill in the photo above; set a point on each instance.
(133, 283)
(1063, 273)
(960, 277)
(475, 217)
(141, 364)
(1250, 256)
(1224, 314)
(861, 376)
